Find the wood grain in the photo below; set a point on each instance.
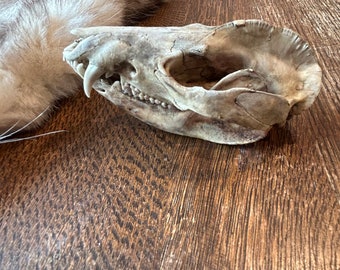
(114, 193)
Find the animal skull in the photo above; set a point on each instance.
(228, 84)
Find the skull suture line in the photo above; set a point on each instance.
(227, 84)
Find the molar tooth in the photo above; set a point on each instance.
(135, 91)
(164, 105)
(141, 96)
(146, 97)
(127, 89)
(152, 100)
(169, 106)
(157, 101)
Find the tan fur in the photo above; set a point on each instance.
(33, 34)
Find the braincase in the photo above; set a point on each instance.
(257, 37)
(278, 54)
(283, 61)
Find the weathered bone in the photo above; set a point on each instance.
(227, 84)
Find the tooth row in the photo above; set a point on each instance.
(132, 91)
(127, 88)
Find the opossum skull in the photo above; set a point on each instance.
(227, 84)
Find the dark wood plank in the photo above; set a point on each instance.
(114, 193)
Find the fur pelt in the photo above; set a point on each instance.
(33, 34)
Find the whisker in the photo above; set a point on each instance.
(25, 126)
(11, 132)
(30, 137)
(7, 133)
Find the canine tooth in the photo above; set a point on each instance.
(92, 74)
(80, 69)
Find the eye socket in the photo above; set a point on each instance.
(197, 70)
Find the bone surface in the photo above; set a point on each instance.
(228, 84)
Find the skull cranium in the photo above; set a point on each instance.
(227, 84)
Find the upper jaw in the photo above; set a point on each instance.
(108, 84)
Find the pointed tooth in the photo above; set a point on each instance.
(80, 69)
(127, 90)
(116, 85)
(92, 74)
(135, 91)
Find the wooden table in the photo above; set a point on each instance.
(115, 193)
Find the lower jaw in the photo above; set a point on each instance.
(186, 123)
